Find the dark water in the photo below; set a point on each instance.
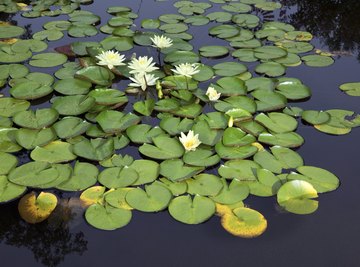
(329, 237)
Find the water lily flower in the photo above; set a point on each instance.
(143, 81)
(231, 122)
(212, 94)
(110, 59)
(186, 69)
(190, 141)
(142, 65)
(161, 41)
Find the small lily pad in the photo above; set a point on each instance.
(191, 211)
(37, 209)
(296, 197)
(154, 198)
(244, 222)
(107, 217)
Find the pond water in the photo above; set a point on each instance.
(328, 237)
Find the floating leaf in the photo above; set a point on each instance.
(317, 61)
(154, 198)
(296, 197)
(164, 148)
(204, 184)
(116, 177)
(83, 176)
(54, 152)
(94, 149)
(244, 222)
(9, 190)
(37, 209)
(191, 211)
(201, 157)
(107, 217)
(175, 170)
(47, 60)
(352, 89)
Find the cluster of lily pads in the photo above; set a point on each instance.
(225, 130)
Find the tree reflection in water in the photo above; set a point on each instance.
(49, 241)
(334, 22)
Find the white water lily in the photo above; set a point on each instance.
(190, 141)
(212, 94)
(161, 41)
(186, 69)
(110, 59)
(143, 81)
(142, 65)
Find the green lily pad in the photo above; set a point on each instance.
(69, 127)
(267, 184)
(240, 169)
(296, 197)
(94, 149)
(147, 171)
(175, 125)
(73, 105)
(229, 69)
(201, 157)
(269, 52)
(10, 106)
(144, 107)
(293, 91)
(207, 135)
(83, 176)
(213, 51)
(120, 43)
(231, 193)
(39, 119)
(116, 198)
(277, 122)
(317, 60)
(224, 31)
(72, 87)
(82, 30)
(315, 117)
(191, 211)
(7, 140)
(116, 177)
(9, 190)
(175, 170)
(204, 185)
(29, 139)
(178, 57)
(164, 148)
(236, 137)
(47, 60)
(96, 74)
(236, 102)
(235, 152)
(54, 152)
(290, 139)
(107, 217)
(33, 174)
(288, 157)
(112, 121)
(352, 89)
(268, 100)
(322, 180)
(10, 31)
(231, 86)
(154, 198)
(30, 90)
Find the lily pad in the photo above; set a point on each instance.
(154, 198)
(116, 177)
(47, 60)
(191, 211)
(54, 152)
(37, 209)
(9, 190)
(107, 217)
(352, 89)
(175, 170)
(39, 119)
(244, 222)
(296, 197)
(164, 148)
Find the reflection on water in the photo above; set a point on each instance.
(334, 22)
(49, 241)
